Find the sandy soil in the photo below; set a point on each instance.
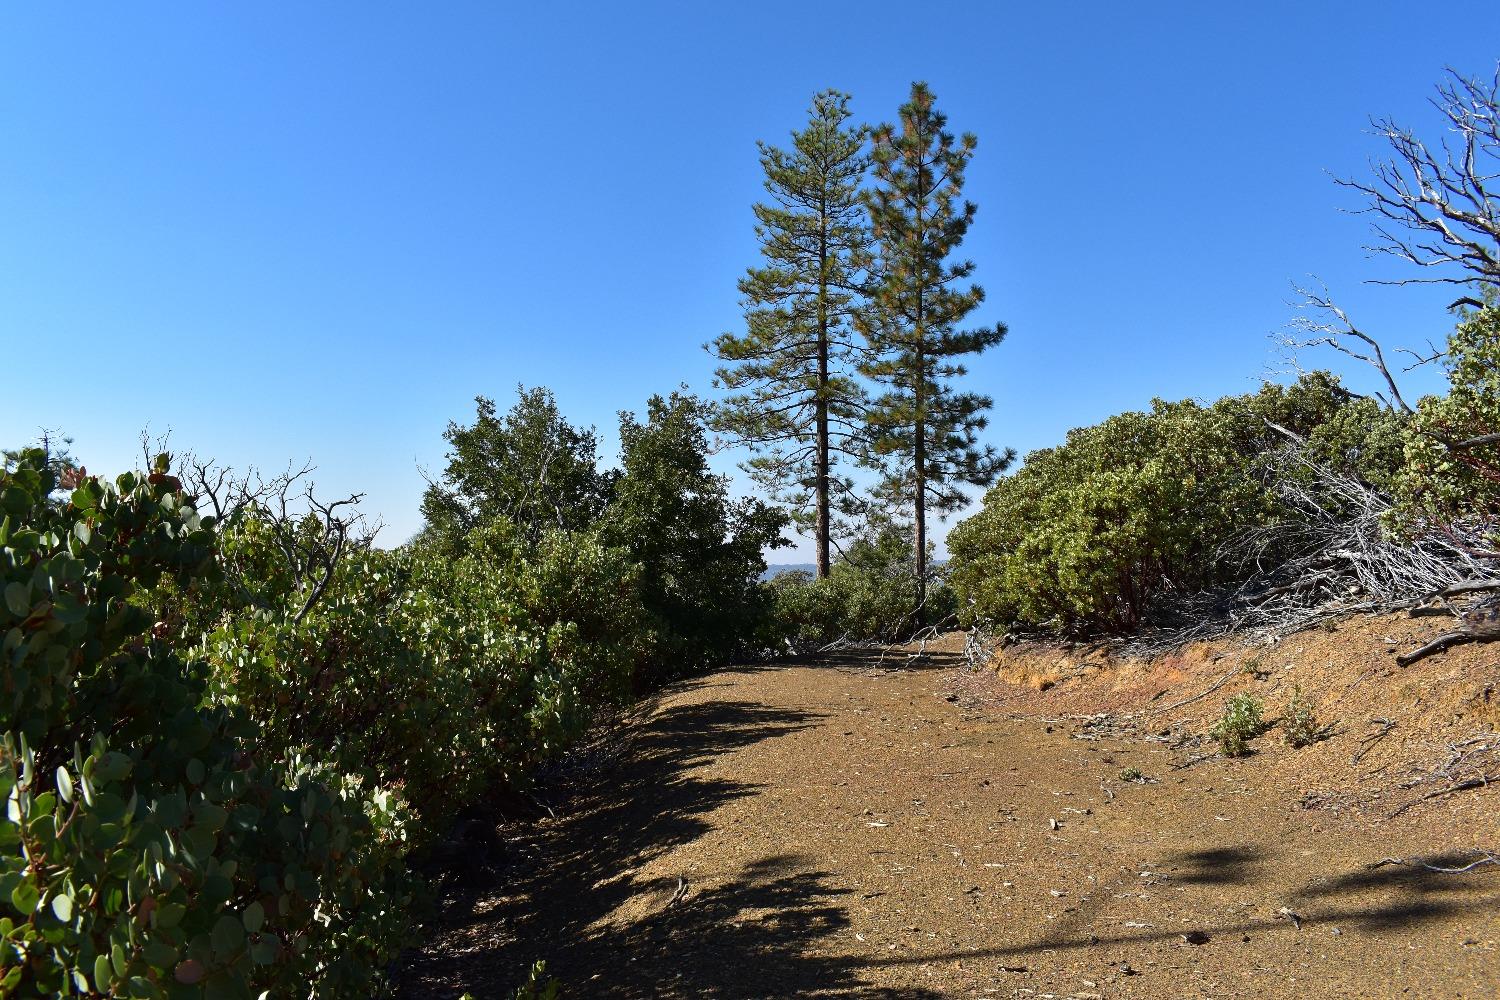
(844, 829)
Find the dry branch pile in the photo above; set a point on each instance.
(1335, 555)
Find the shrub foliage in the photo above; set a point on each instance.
(152, 847)
(223, 736)
(1087, 536)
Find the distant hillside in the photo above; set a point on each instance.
(780, 568)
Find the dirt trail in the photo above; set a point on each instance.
(834, 830)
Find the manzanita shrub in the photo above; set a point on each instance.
(1087, 536)
(1452, 472)
(222, 741)
(150, 846)
(441, 672)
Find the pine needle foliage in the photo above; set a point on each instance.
(794, 398)
(924, 431)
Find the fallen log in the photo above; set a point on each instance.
(1488, 631)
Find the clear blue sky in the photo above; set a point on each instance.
(318, 230)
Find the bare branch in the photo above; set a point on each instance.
(1343, 336)
(1439, 209)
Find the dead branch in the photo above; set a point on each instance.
(1484, 631)
(1329, 556)
(312, 535)
(1473, 442)
(1214, 687)
(1469, 766)
(1484, 858)
(1343, 336)
(1438, 207)
(1195, 760)
(1481, 781)
(1467, 587)
(1367, 742)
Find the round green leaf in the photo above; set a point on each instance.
(18, 599)
(189, 972)
(24, 898)
(227, 937)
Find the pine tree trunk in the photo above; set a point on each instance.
(920, 539)
(919, 463)
(823, 528)
(919, 467)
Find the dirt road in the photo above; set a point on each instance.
(840, 831)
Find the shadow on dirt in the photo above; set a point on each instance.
(1369, 900)
(1232, 865)
(751, 936)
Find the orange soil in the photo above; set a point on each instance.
(844, 829)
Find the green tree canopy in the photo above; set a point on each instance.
(530, 467)
(795, 400)
(699, 550)
(925, 431)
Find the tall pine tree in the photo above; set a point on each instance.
(923, 430)
(794, 399)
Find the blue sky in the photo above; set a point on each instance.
(318, 230)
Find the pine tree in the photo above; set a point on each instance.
(794, 399)
(923, 431)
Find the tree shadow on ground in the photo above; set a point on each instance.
(1234, 864)
(1373, 899)
(569, 891)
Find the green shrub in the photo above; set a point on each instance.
(1300, 723)
(1240, 723)
(442, 675)
(700, 552)
(1440, 484)
(495, 465)
(869, 596)
(546, 636)
(1088, 536)
(150, 847)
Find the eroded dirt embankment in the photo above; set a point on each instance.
(844, 829)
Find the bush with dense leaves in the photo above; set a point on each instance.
(441, 673)
(1452, 470)
(1087, 536)
(1241, 722)
(150, 847)
(699, 551)
(869, 596)
(223, 741)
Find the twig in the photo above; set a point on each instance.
(1484, 632)
(1217, 684)
(1194, 760)
(1485, 858)
(1366, 742)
